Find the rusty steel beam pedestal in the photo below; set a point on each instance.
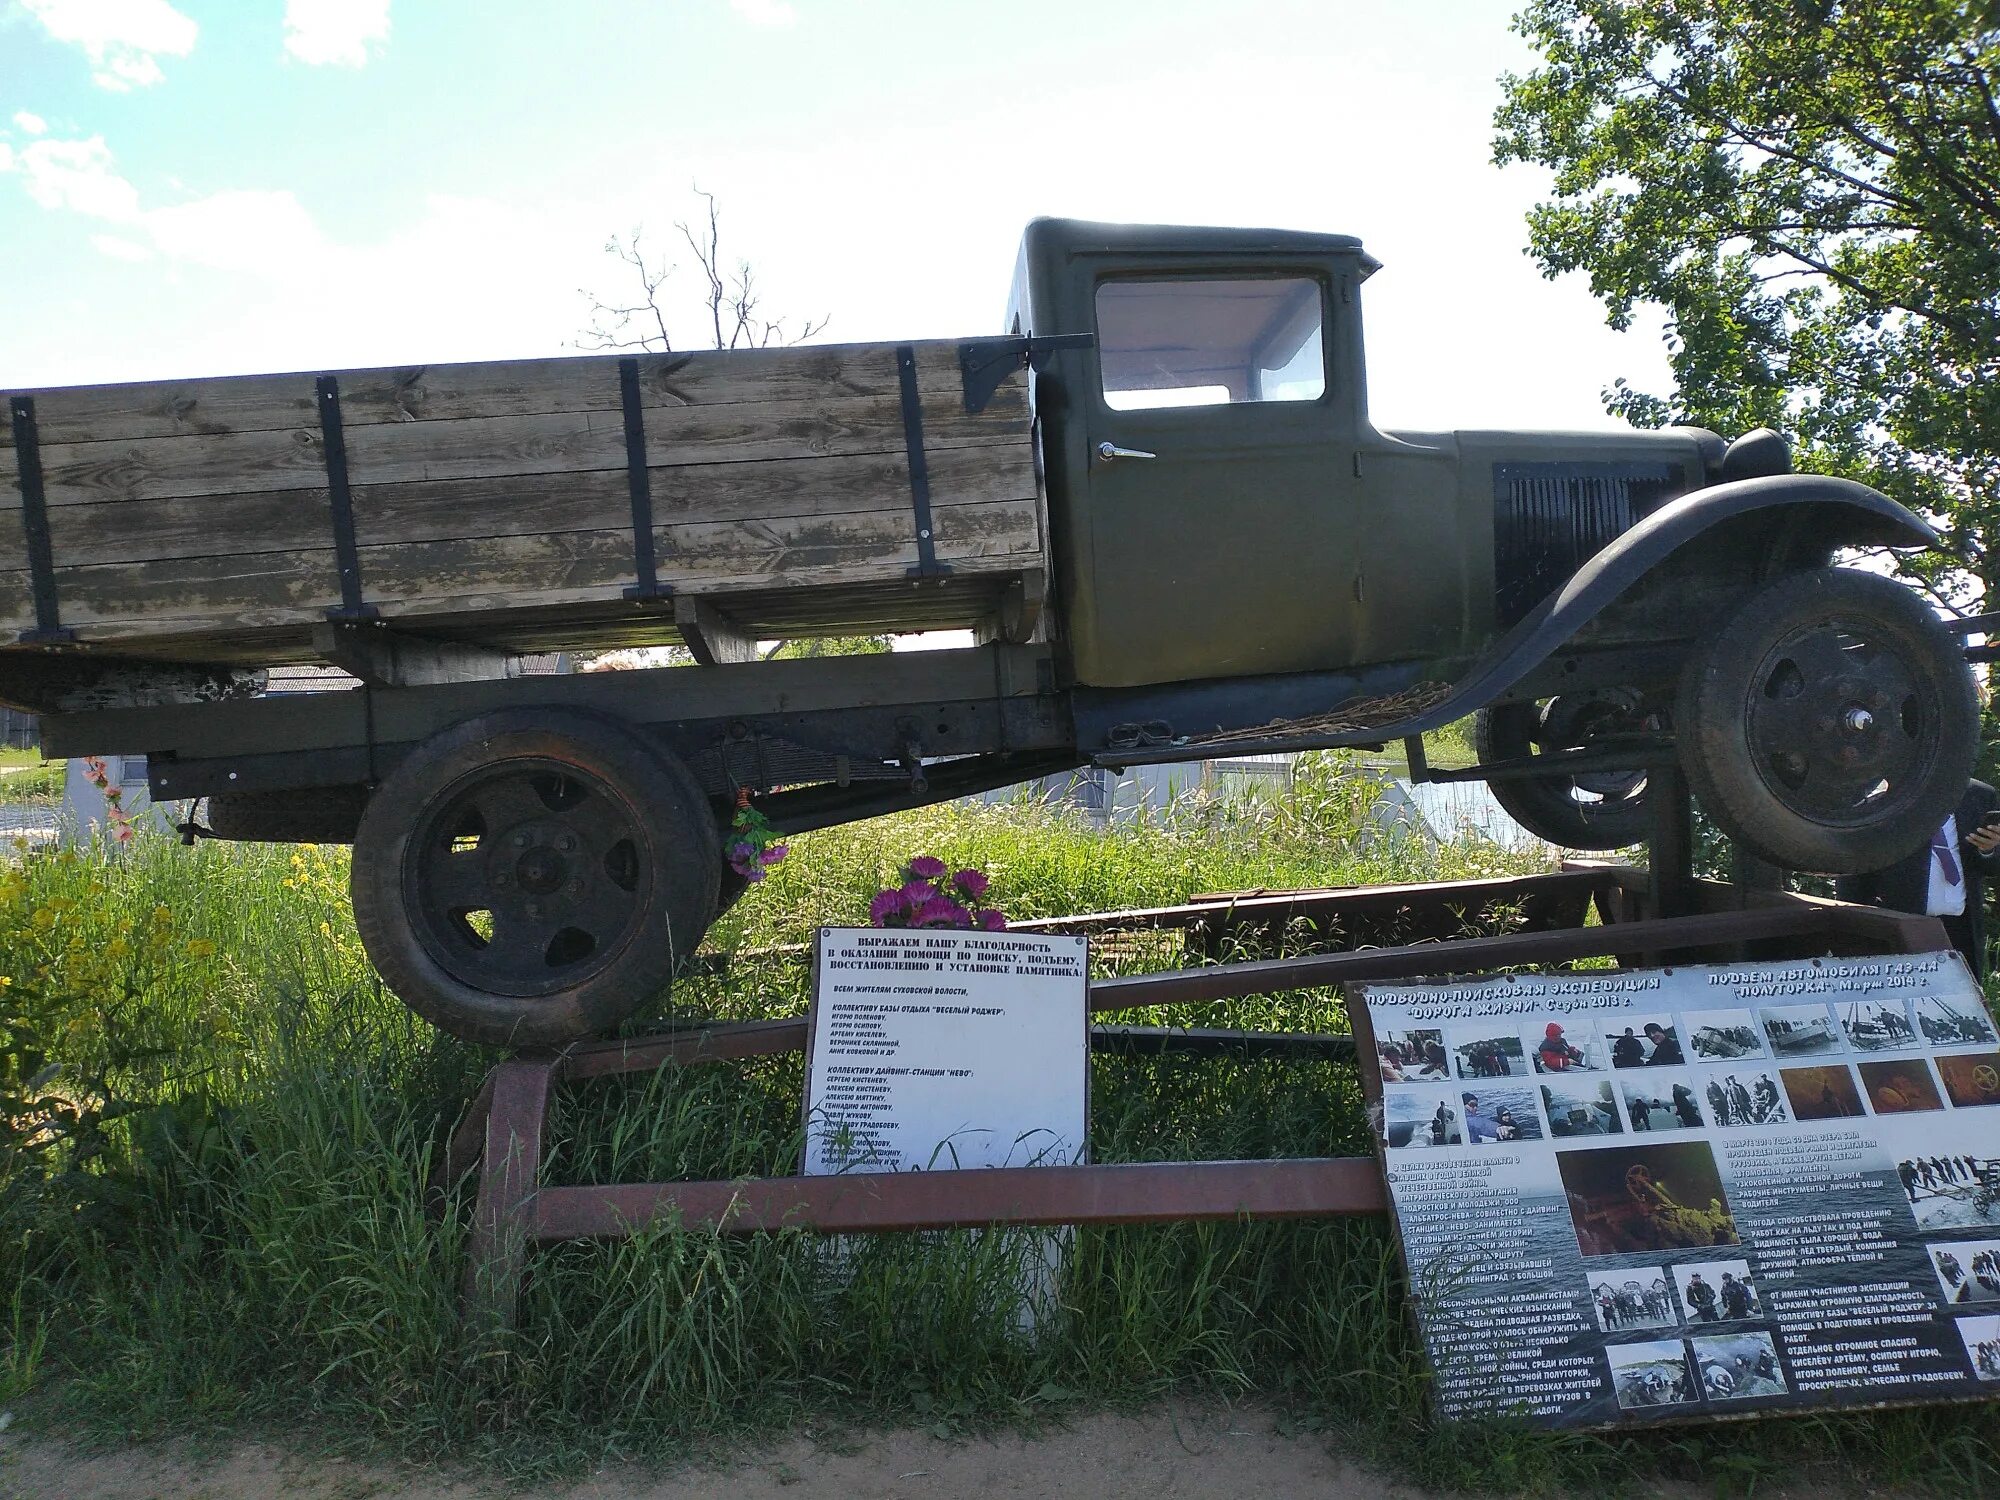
(502, 1131)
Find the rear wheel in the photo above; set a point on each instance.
(1830, 724)
(534, 876)
(1583, 810)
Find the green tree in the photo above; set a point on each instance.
(1810, 189)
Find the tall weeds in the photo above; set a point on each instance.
(218, 1124)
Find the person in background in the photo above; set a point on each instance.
(1945, 879)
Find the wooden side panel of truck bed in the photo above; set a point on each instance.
(493, 502)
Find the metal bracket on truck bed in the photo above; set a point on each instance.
(984, 363)
(333, 439)
(48, 629)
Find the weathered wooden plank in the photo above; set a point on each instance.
(479, 448)
(270, 589)
(520, 505)
(495, 388)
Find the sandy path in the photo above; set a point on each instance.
(1165, 1453)
(1239, 1454)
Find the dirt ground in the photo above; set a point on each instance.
(1168, 1452)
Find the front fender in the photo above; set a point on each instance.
(1841, 512)
(1845, 513)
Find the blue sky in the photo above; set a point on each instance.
(217, 186)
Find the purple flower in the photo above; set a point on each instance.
(775, 853)
(752, 875)
(972, 882)
(941, 911)
(885, 905)
(742, 849)
(917, 892)
(992, 921)
(923, 867)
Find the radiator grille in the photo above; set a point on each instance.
(1550, 518)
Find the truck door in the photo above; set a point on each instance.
(1217, 478)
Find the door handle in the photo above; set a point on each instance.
(1111, 452)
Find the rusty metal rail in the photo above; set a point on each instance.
(502, 1132)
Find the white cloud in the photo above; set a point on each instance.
(335, 31)
(122, 38)
(238, 230)
(30, 124)
(765, 12)
(78, 176)
(6, 157)
(120, 249)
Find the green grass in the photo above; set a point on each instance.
(237, 1240)
(26, 777)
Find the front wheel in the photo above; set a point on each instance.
(1604, 809)
(534, 876)
(1830, 724)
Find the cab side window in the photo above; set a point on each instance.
(1210, 341)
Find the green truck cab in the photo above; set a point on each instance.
(1157, 499)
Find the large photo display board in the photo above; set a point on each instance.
(1696, 1191)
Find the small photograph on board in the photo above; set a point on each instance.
(1643, 1042)
(1651, 1374)
(1951, 1191)
(1717, 1291)
(1415, 1056)
(1901, 1087)
(1946, 1022)
(1580, 1106)
(1971, 1078)
(1982, 1345)
(1628, 1200)
(1482, 1052)
(1635, 1297)
(1743, 1096)
(1822, 1093)
(1553, 1048)
(1968, 1271)
(1421, 1119)
(1499, 1112)
(1660, 1101)
(1799, 1030)
(1877, 1025)
(1724, 1035)
(1737, 1366)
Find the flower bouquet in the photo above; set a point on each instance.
(927, 896)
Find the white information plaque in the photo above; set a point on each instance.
(931, 1050)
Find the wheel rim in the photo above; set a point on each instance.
(1569, 724)
(1836, 722)
(527, 877)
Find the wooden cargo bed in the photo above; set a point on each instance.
(494, 502)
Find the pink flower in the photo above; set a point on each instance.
(923, 867)
(883, 906)
(917, 892)
(992, 921)
(972, 882)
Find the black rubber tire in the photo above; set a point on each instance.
(647, 823)
(1548, 806)
(311, 815)
(1820, 651)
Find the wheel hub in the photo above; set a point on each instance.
(1834, 721)
(540, 871)
(527, 877)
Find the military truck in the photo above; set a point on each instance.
(1156, 500)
